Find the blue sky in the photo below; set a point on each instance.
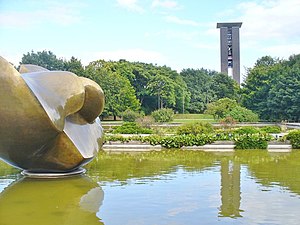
(177, 33)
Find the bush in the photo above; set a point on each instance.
(294, 137)
(195, 128)
(163, 115)
(252, 141)
(242, 114)
(227, 122)
(271, 129)
(246, 130)
(179, 140)
(145, 121)
(130, 116)
(131, 128)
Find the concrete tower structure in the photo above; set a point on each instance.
(230, 49)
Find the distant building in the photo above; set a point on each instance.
(230, 49)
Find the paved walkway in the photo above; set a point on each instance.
(214, 147)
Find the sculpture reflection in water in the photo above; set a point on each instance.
(74, 200)
(49, 119)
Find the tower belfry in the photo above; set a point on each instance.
(230, 49)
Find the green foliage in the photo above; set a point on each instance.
(131, 128)
(119, 94)
(272, 89)
(228, 122)
(207, 86)
(130, 116)
(226, 107)
(252, 141)
(198, 84)
(195, 128)
(294, 137)
(223, 86)
(242, 114)
(246, 130)
(221, 108)
(163, 115)
(74, 65)
(155, 86)
(178, 141)
(271, 129)
(44, 59)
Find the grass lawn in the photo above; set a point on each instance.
(178, 118)
(189, 118)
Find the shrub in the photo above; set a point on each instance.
(246, 130)
(131, 128)
(163, 115)
(294, 137)
(271, 129)
(130, 116)
(241, 114)
(145, 121)
(195, 128)
(179, 140)
(252, 141)
(227, 122)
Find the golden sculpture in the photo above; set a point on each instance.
(49, 119)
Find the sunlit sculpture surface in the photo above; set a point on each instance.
(48, 119)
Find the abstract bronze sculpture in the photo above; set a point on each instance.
(48, 119)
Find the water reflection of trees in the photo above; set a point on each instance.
(275, 169)
(267, 168)
(121, 167)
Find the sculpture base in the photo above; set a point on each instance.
(53, 175)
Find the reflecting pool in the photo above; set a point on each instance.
(168, 187)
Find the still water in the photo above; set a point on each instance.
(171, 187)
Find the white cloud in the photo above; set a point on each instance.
(282, 51)
(167, 4)
(174, 19)
(132, 55)
(53, 12)
(270, 19)
(131, 5)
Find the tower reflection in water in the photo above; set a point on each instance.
(230, 189)
(74, 200)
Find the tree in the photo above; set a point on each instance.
(44, 59)
(74, 65)
(221, 107)
(119, 94)
(258, 83)
(272, 89)
(228, 108)
(224, 86)
(241, 114)
(198, 84)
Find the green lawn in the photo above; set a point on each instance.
(178, 118)
(189, 118)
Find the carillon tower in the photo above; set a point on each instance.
(230, 49)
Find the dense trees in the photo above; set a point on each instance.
(119, 94)
(207, 86)
(44, 59)
(272, 88)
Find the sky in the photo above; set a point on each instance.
(180, 34)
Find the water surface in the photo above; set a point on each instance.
(169, 187)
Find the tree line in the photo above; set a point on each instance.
(271, 88)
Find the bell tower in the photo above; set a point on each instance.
(230, 49)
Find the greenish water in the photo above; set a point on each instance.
(169, 187)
